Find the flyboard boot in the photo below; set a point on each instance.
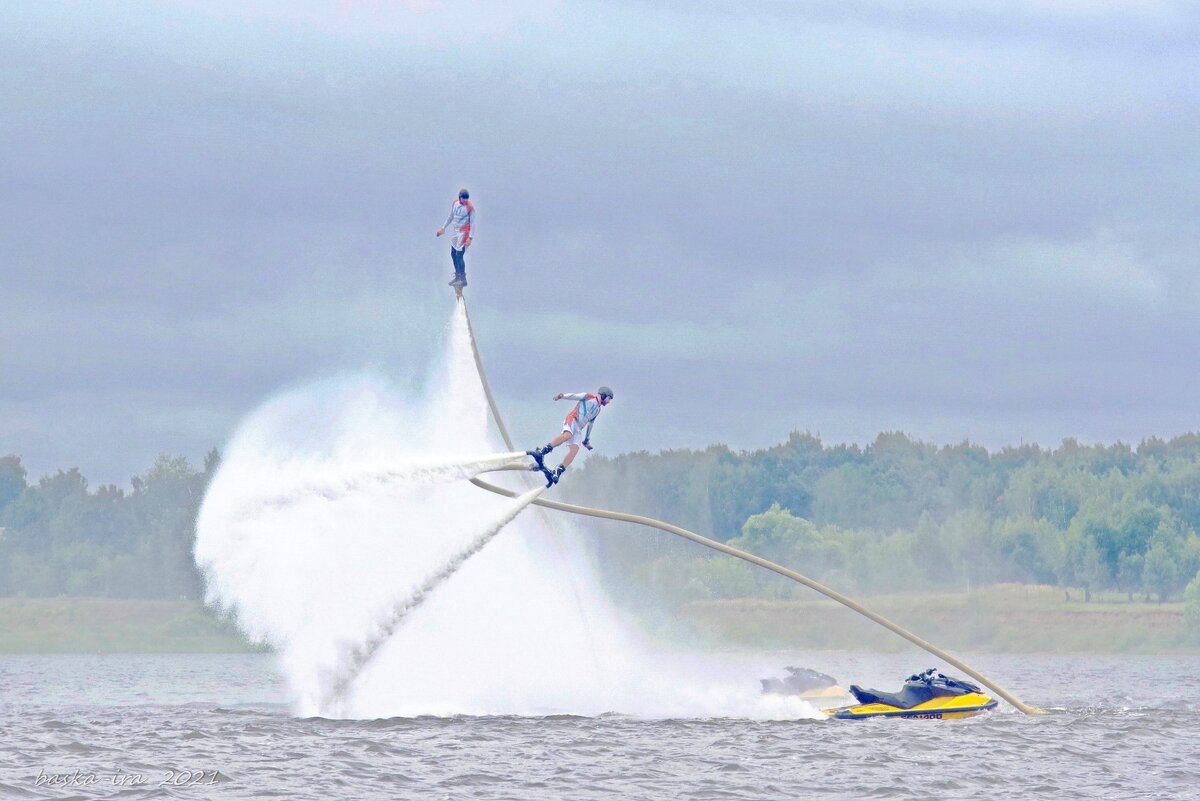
(553, 476)
(539, 465)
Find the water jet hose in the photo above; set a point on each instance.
(850, 603)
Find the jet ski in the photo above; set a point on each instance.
(804, 683)
(929, 695)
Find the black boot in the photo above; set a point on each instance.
(557, 474)
(537, 453)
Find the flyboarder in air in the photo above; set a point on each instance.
(461, 225)
(577, 430)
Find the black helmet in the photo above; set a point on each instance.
(463, 194)
(604, 392)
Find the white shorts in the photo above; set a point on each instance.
(577, 434)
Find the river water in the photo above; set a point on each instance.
(219, 726)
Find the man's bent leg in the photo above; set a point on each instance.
(570, 457)
(538, 453)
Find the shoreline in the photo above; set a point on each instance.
(67, 625)
(1001, 618)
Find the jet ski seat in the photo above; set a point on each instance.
(907, 698)
(918, 689)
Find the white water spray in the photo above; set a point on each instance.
(354, 660)
(340, 530)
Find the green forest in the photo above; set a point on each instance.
(58, 536)
(897, 515)
(904, 515)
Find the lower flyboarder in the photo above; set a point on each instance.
(577, 430)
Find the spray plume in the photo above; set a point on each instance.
(339, 529)
(356, 658)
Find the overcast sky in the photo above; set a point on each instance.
(959, 220)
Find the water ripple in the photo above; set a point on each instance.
(1097, 744)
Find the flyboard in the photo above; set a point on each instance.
(552, 476)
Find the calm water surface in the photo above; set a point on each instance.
(219, 725)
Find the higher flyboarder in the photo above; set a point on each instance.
(461, 224)
(577, 429)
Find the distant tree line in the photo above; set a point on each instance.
(59, 537)
(898, 514)
(901, 514)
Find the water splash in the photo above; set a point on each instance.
(353, 660)
(339, 530)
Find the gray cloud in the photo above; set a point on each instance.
(840, 217)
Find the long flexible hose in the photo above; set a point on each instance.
(850, 603)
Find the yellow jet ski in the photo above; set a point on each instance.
(929, 695)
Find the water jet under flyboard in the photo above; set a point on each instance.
(341, 530)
